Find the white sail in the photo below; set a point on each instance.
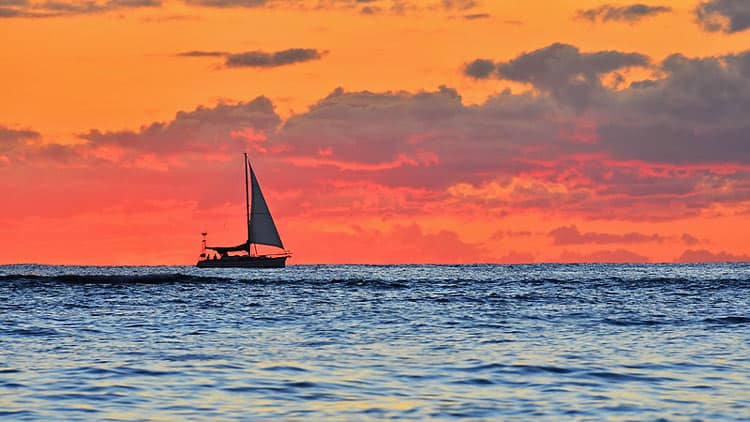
(262, 228)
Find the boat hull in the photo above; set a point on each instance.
(262, 261)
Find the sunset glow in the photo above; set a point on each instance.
(451, 131)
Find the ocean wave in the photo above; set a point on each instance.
(111, 279)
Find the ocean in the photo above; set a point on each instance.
(358, 342)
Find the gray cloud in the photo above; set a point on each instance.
(567, 73)
(48, 9)
(278, 58)
(459, 4)
(12, 135)
(197, 53)
(702, 255)
(727, 16)
(13, 140)
(616, 256)
(260, 58)
(696, 109)
(370, 10)
(631, 13)
(674, 147)
(201, 130)
(570, 235)
(474, 16)
(480, 69)
(689, 239)
(227, 3)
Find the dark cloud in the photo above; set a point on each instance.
(480, 69)
(727, 16)
(227, 3)
(673, 148)
(696, 109)
(631, 13)
(370, 10)
(274, 59)
(567, 73)
(459, 4)
(196, 53)
(206, 130)
(474, 16)
(26, 144)
(502, 234)
(13, 135)
(570, 235)
(14, 142)
(260, 58)
(689, 239)
(619, 256)
(702, 255)
(25, 9)
(562, 70)
(431, 140)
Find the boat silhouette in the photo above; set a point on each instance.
(261, 230)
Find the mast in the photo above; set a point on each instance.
(247, 208)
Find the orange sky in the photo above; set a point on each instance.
(362, 155)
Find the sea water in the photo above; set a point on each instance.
(532, 342)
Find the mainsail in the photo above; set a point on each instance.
(262, 229)
(260, 226)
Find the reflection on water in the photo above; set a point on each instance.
(367, 342)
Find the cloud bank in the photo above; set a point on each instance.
(570, 147)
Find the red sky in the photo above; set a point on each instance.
(452, 131)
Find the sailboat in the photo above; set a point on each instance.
(261, 230)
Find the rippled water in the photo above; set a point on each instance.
(372, 342)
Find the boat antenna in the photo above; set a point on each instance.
(247, 208)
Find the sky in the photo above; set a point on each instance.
(381, 131)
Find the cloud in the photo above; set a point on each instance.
(695, 111)
(689, 239)
(618, 256)
(13, 141)
(458, 4)
(567, 73)
(227, 3)
(561, 70)
(673, 148)
(48, 9)
(364, 7)
(728, 16)
(480, 69)
(278, 58)
(631, 13)
(695, 106)
(570, 235)
(370, 10)
(259, 58)
(203, 130)
(475, 16)
(8, 135)
(702, 255)
(196, 53)
(406, 244)
(501, 234)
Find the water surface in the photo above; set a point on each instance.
(618, 342)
